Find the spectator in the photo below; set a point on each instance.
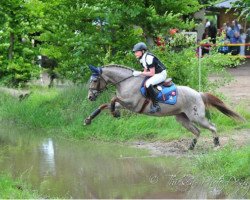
(236, 25)
(223, 30)
(212, 32)
(207, 23)
(234, 36)
(228, 30)
(206, 47)
(247, 48)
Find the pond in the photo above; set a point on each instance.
(62, 168)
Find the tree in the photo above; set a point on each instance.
(77, 33)
(244, 5)
(16, 62)
(87, 31)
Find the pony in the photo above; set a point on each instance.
(189, 110)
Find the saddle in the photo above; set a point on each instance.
(166, 91)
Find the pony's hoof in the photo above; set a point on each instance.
(191, 147)
(216, 141)
(117, 114)
(87, 121)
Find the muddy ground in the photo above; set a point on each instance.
(238, 92)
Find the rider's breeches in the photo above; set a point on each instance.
(157, 78)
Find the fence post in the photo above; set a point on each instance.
(199, 66)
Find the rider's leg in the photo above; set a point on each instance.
(154, 80)
(152, 94)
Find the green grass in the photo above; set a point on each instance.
(227, 169)
(15, 189)
(228, 162)
(62, 111)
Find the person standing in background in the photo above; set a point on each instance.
(212, 32)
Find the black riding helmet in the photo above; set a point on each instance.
(140, 46)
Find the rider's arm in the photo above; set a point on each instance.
(151, 72)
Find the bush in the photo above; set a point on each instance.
(183, 66)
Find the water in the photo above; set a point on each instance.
(77, 169)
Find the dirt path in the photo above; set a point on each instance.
(238, 91)
(179, 148)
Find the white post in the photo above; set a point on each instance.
(199, 63)
(41, 69)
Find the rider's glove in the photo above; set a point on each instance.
(136, 73)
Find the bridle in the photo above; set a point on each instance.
(97, 90)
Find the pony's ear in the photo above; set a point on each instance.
(95, 70)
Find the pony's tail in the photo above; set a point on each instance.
(211, 100)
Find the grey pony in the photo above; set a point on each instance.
(189, 110)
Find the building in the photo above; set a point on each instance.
(225, 12)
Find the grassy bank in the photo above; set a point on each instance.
(227, 169)
(62, 111)
(229, 162)
(15, 189)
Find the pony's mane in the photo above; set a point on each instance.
(118, 66)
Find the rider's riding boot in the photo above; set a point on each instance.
(152, 94)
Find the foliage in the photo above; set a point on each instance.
(17, 61)
(182, 40)
(244, 6)
(77, 33)
(183, 66)
(63, 111)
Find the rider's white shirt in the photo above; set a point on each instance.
(146, 60)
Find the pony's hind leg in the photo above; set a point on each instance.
(203, 122)
(184, 121)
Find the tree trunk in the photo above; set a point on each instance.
(11, 47)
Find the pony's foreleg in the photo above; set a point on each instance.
(88, 120)
(113, 105)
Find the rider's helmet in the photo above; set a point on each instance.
(140, 46)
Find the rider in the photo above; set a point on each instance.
(153, 68)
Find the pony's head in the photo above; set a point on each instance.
(97, 83)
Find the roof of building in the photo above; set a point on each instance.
(225, 4)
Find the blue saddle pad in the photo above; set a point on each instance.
(167, 95)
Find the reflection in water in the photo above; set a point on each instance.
(47, 162)
(67, 169)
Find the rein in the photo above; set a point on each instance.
(123, 80)
(98, 86)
